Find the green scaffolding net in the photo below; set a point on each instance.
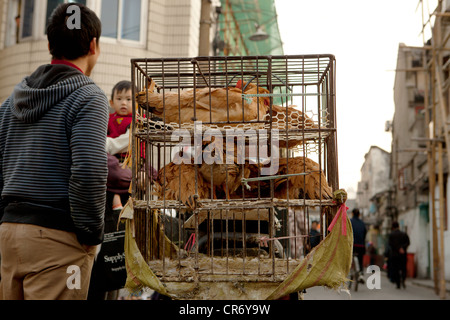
(240, 20)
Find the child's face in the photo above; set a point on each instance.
(121, 103)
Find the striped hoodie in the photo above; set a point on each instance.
(53, 164)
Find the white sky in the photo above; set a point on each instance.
(364, 37)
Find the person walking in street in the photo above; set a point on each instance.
(359, 238)
(314, 234)
(398, 243)
(53, 167)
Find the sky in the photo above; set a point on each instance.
(364, 37)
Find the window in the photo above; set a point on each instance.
(52, 4)
(27, 18)
(20, 21)
(121, 19)
(13, 23)
(109, 17)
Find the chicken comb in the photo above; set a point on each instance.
(239, 84)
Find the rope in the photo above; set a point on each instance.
(190, 242)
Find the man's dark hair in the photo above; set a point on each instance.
(395, 225)
(73, 43)
(355, 212)
(121, 86)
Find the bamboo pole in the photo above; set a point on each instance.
(442, 107)
(437, 57)
(436, 259)
(442, 204)
(431, 145)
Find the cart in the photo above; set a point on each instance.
(245, 151)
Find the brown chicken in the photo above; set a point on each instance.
(210, 104)
(223, 174)
(180, 181)
(312, 186)
(296, 120)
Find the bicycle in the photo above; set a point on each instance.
(355, 276)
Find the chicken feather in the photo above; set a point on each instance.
(205, 104)
(227, 174)
(313, 185)
(177, 182)
(293, 119)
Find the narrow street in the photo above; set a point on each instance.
(415, 290)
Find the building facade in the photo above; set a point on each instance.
(409, 157)
(374, 179)
(417, 193)
(130, 29)
(372, 196)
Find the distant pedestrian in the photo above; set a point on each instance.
(53, 168)
(314, 234)
(359, 237)
(386, 265)
(372, 251)
(398, 243)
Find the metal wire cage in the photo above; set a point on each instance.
(231, 158)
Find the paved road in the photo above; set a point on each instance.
(387, 291)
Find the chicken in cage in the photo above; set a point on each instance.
(245, 151)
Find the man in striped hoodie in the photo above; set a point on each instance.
(53, 167)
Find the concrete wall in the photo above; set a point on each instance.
(413, 192)
(446, 232)
(172, 31)
(409, 167)
(374, 177)
(418, 231)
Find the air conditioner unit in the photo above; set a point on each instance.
(388, 126)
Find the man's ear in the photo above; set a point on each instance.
(93, 46)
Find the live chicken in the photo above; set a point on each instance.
(178, 182)
(312, 184)
(225, 173)
(293, 119)
(205, 104)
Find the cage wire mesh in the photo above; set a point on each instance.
(232, 157)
